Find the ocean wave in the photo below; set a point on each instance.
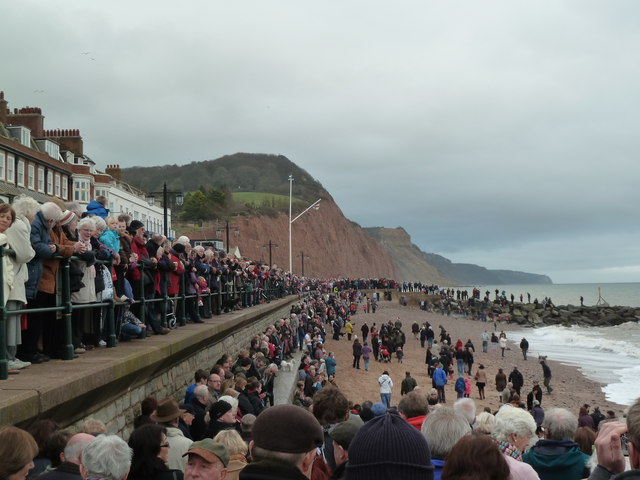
(604, 354)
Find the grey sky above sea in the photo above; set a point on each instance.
(501, 133)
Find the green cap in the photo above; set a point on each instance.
(209, 450)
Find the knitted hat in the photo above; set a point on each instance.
(67, 217)
(378, 409)
(218, 409)
(135, 225)
(288, 429)
(344, 432)
(178, 247)
(210, 451)
(387, 447)
(166, 411)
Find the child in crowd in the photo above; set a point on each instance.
(399, 354)
(110, 236)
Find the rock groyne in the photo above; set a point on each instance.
(535, 315)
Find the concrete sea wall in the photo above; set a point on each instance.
(108, 384)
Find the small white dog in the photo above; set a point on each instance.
(286, 366)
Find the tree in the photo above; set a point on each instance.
(196, 206)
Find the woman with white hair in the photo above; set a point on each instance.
(484, 423)
(514, 429)
(18, 237)
(86, 293)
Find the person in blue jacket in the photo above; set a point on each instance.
(440, 380)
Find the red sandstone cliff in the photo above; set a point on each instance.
(332, 245)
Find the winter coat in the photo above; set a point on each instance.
(179, 444)
(557, 460)
(43, 268)
(96, 208)
(18, 236)
(440, 377)
(385, 382)
(501, 381)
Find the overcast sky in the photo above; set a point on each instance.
(501, 133)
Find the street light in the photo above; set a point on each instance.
(178, 197)
(315, 205)
(302, 257)
(270, 245)
(236, 233)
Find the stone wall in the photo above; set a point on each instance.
(118, 405)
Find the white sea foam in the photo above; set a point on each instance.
(607, 355)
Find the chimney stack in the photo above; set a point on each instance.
(114, 171)
(30, 117)
(4, 111)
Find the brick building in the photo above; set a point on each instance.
(43, 163)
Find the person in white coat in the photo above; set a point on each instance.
(386, 388)
(18, 240)
(168, 415)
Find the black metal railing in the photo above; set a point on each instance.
(227, 297)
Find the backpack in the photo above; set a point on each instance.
(460, 386)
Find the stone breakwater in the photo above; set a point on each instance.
(530, 314)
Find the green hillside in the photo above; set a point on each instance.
(240, 172)
(260, 199)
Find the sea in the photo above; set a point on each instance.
(609, 355)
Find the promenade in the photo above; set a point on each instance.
(108, 383)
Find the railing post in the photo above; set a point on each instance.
(4, 367)
(183, 301)
(111, 322)
(207, 298)
(243, 295)
(163, 307)
(66, 310)
(143, 301)
(219, 302)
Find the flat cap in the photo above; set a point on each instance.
(344, 432)
(288, 429)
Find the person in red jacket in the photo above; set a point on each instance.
(413, 407)
(144, 276)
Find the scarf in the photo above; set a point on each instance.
(510, 450)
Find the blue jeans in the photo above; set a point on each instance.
(129, 331)
(386, 399)
(460, 363)
(366, 364)
(485, 346)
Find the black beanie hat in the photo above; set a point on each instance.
(135, 225)
(388, 447)
(178, 248)
(218, 409)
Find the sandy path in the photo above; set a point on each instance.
(571, 387)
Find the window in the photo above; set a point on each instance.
(40, 179)
(20, 180)
(2, 164)
(10, 168)
(49, 183)
(57, 184)
(81, 191)
(65, 188)
(31, 177)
